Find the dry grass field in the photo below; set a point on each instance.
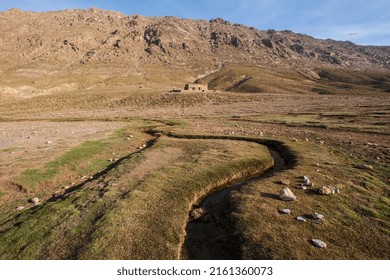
(119, 168)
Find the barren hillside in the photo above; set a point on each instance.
(73, 38)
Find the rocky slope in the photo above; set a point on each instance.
(73, 38)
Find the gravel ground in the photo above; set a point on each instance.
(27, 144)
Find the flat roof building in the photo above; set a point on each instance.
(196, 87)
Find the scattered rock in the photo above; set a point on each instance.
(34, 200)
(49, 142)
(317, 216)
(197, 213)
(301, 219)
(307, 181)
(372, 144)
(302, 187)
(284, 182)
(286, 194)
(285, 211)
(58, 193)
(319, 243)
(328, 190)
(294, 139)
(364, 166)
(19, 208)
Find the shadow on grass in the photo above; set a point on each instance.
(270, 195)
(313, 192)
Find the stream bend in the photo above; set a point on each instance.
(211, 236)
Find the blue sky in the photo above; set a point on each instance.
(365, 22)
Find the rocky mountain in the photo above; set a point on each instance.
(45, 48)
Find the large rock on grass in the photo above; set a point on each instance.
(286, 194)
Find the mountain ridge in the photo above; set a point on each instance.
(79, 37)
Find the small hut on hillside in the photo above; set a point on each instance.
(196, 87)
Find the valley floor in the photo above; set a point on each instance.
(113, 183)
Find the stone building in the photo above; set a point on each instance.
(196, 87)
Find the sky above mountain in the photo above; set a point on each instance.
(360, 21)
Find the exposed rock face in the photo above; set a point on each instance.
(76, 37)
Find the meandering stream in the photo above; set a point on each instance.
(211, 236)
